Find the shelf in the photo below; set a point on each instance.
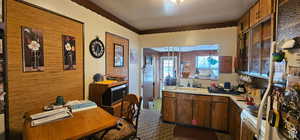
(255, 75)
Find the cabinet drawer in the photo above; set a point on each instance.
(169, 94)
(183, 96)
(202, 98)
(220, 99)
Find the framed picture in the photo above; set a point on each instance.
(33, 50)
(118, 55)
(69, 52)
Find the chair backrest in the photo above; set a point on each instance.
(130, 108)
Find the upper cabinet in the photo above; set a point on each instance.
(254, 14)
(256, 31)
(266, 8)
(261, 10)
(244, 23)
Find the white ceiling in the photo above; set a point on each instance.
(153, 14)
(187, 48)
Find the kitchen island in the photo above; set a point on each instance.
(197, 107)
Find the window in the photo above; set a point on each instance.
(168, 66)
(207, 67)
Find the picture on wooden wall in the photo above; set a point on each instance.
(118, 55)
(33, 50)
(69, 53)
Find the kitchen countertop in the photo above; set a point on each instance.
(204, 91)
(235, 98)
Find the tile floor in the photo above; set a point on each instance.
(152, 128)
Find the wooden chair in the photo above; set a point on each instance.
(128, 123)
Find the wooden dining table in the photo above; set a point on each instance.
(83, 123)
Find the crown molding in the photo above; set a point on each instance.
(97, 9)
(190, 27)
(93, 7)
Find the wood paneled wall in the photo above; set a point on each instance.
(112, 39)
(31, 91)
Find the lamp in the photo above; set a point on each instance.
(177, 1)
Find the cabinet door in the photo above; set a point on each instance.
(184, 109)
(266, 8)
(247, 134)
(244, 23)
(237, 124)
(219, 119)
(232, 128)
(201, 111)
(255, 50)
(235, 121)
(169, 109)
(254, 14)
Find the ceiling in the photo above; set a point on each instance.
(156, 14)
(187, 48)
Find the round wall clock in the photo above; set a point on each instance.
(97, 48)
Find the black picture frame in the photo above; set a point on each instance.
(118, 55)
(32, 57)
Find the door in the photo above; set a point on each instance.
(254, 14)
(201, 111)
(184, 109)
(219, 119)
(148, 86)
(169, 108)
(265, 8)
(168, 73)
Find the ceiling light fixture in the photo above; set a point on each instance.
(177, 1)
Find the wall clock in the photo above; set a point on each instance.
(97, 48)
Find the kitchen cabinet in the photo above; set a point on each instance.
(201, 111)
(247, 133)
(184, 111)
(196, 110)
(219, 115)
(261, 10)
(266, 8)
(243, 52)
(254, 14)
(244, 23)
(234, 121)
(255, 50)
(169, 106)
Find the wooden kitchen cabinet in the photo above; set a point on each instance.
(244, 23)
(261, 10)
(196, 110)
(254, 14)
(255, 50)
(184, 109)
(266, 8)
(234, 121)
(202, 111)
(219, 115)
(247, 133)
(169, 107)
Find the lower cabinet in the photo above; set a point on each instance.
(197, 110)
(219, 115)
(184, 111)
(247, 133)
(202, 111)
(234, 121)
(169, 107)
